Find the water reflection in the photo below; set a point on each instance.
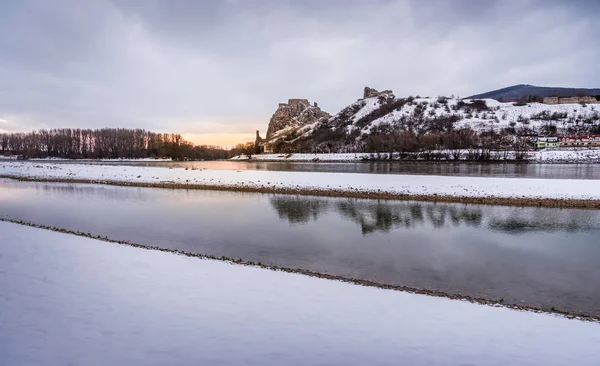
(543, 257)
(521, 225)
(297, 210)
(384, 216)
(371, 216)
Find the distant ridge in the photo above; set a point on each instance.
(515, 92)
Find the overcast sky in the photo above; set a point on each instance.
(215, 70)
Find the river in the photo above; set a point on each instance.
(548, 258)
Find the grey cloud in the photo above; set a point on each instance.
(221, 66)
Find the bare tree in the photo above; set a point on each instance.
(105, 143)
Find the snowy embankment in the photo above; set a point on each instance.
(144, 309)
(552, 193)
(542, 156)
(15, 157)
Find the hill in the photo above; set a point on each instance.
(518, 92)
(385, 122)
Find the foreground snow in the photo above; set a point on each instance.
(415, 185)
(14, 157)
(544, 156)
(73, 300)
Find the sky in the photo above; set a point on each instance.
(215, 71)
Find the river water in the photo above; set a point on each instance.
(526, 256)
(533, 170)
(68, 300)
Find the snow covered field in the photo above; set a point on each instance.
(568, 156)
(72, 300)
(281, 181)
(14, 157)
(542, 156)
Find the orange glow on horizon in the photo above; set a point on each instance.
(226, 140)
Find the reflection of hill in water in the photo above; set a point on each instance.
(373, 216)
(299, 210)
(384, 216)
(519, 225)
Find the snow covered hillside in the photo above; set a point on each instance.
(348, 130)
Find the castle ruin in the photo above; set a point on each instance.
(570, 100)
(370, 92)
(292, 115)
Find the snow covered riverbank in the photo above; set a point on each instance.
(15, 157)
(551, 193)
(149, 307)
(576, 156)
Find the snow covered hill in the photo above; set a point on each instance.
(385, 114)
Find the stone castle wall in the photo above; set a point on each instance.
(570, 100)
(370, 92)
(295, 102)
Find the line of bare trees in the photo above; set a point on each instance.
(463, 143)
(109, 143)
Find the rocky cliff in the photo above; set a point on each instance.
(295, 113)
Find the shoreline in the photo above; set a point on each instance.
(550, 156)
(369, 161)
(355, 281)
(342, 193)
(318, 161)
(403, 161)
